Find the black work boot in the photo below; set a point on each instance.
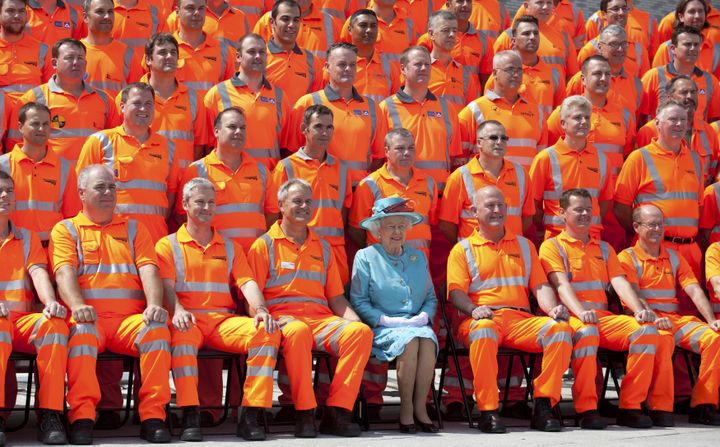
(305, 424)
(633, 419)
(704, 414)
(191, 425)
(51, 430)
(490, 422)
(590, 420)
(543, 418)
(81, 432)
(338, 421)
(249, 427)
(154, 430)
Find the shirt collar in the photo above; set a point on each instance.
(642, 255)
(213, 159)
(50, 157)
(562, 147)
(55, 88)
(477, 239)
(237, 82)
(82, 220)
(492, 96)
(670, 68)
(383, 172)
(332, 95)
(302, 155)
(34, 4)
(407, 99)
(475, 167)
(275, 49)
(184, 237)
(564, 236)
(276, 232)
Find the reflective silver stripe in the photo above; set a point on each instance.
(112, 294)
(478, 284)
(238, 208)
(106, 85)
(50, 339)
(660, 193)
(375, 189)
(73, 233)
(5, 337)
(481, 334)
(287, 278)
(642, 330)
(180, 372)
(82, 351)
(25, 205)
(663, 307)
(594, 305)
(708, 91)
(222, 90)
(695, 339)
(681, 222)
(295, 299)
(585, 286)
(556, 176)
(39, 95)
(140, 209)
(327, 21)
(394, 114)
(154, 18)
(109, 269)
(252, 10)
(127, 63)
(273, 273)
(18, 284)
(180, 350)
(521, 142)
(147, 328)
(262, 351)
(448, 129)
(684, 330)
(322, 337)
(563, 256)
(198, 85)
(419, 244)
(260, 371)
(5, 161)
(310, 60)
(641, 349)
(432, 165)
(329, 231)
(557, 337)
(17, 88)
(181, 282)
(611, 148)
(177, 135)
(17, 306)
(135, 43)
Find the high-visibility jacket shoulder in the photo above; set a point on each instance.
(566, 17)
(589, 267)
(296, 279)
(625, 89)
(452, 83)
(710, 211)
(376, 78)
(559, 168)
(318, 31)
(73, 119)
(21, 253)
(45, 191)
(136, 24)
(637, 60)
(472, 49)
(462, 184)
(23, 65)
(107, 259)
(266, 109)
(230, 26)
(495, 274)
(657, 276)
(654, 89)
(331, 187)
(65, 22)
(202, 275)
(489, 18)
(242, 196)
(421, 190)
(673, 183)
(200, 68)
(708, 59)
(112, 66)
(556, 48)
(296, 72)
(541, 83)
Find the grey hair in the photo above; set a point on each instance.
(613, 30)
(197, 182)
(397, 132)
(284, 189)
(374, 226)
(507, 54)
(85, 172)
(437, 16)
(572, 102)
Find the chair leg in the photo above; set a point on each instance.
(692, 371)
(129, 393)
(436, 402)
(508, 376)
(28, 398)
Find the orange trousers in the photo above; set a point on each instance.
(349, 341)
(692, 334)
(618, 333)
(33, 333)
(230, 333)
(517, 330)
(126, 336)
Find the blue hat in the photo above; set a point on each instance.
(392, 206)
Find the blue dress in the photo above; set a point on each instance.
(394, 286)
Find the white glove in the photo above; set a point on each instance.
(419, 320)
(392, 321)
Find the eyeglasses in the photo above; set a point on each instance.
(495, 138)
(653, 225)
(617, 9)
(616, 45)
(511, 71)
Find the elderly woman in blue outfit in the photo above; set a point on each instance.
(392, 292)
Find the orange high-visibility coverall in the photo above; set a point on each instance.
(590, 267)
(202, 276)
(297, 281)
(24, 330)
(689, 332)
(499, 275)
(107, 259)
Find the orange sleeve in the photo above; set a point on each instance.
(333, 283)
(544, 137)
(644, 135)
(662, 55)
(456, 146)
(468, 126)
(144, 247)
(629, 179)
(262, 27)
(613, 265)
(473, 91)
(47, 70)
(362, 203)
(37, 256)
(503, 42)
(458, 275)
(230, 64)
(538, 175)
(630, 133)
(317, 77)
(607, 189)
(648, 97)
(550, 258)
(555, 131)
(528, 208)
(537, 273)
(173, 177)
(258, 258)
(712, 263)
(377, 153)
(278, 178)
(395, 82)
(709, 213)
(113, 114)
(200, 130)
(574, 85)
(489, 53)
(571, 63)
(166, 261)
(452, 198)
(90, 153)
(71, 200)
(643, 61)
(592, 30)
(378, 144)
(685, 275)
(62, 248)
(136, 71)
(293, 138)
(210, 109)
(559, 94)
(628, 267)
(241, 272)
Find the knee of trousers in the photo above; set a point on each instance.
(297, 333)
(665, 344)
(192, 337)
(264, 337)
(360, 332)
(482, 330)
(54, 325)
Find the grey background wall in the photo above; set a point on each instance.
(656, 7)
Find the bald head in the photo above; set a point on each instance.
(644, 213)
(649, 224)
(490, 209)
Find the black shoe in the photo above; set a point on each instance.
(704, 414)
(191, 425)
(154, 430)
(107, 420)
(409, 429)
(373, 413)
(490, 422)
(454, 412)
(590, 420)
(607, 409)
(517, 410)
(81, 432)
(51, 430)
(305, 424)
(633, 419)
(286, 415)
(249, 427)
(662, 418)
(338, 421)
(427, 427)
(543, 418)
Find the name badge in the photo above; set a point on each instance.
(287, 265)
